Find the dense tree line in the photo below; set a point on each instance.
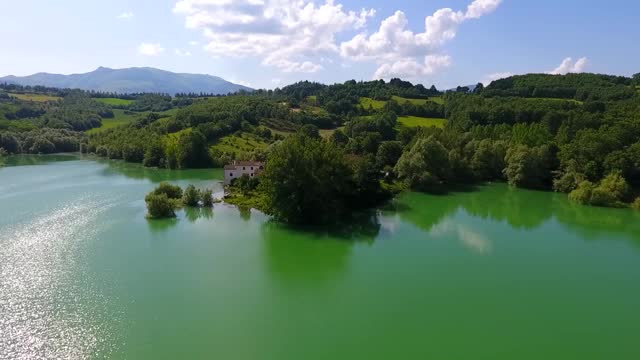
(41, 141)
(583, 87)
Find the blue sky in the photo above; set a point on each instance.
(269, 43)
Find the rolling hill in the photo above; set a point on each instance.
(131, 80)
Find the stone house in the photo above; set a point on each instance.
(239, 168)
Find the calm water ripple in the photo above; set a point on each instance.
(44, 312)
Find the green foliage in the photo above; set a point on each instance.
(77, 111)
(309, 181)
(610, 192)
(311, 131)
(615, 186)
(488, 159)
(528, 167)
(338, 137)
(206, 197)
(636, 204)
(425, 166)
(571, 86)
(304, 181)
(583, 193)
(154, 154)
(191, 196)
(151, 102)
(388, 153)
(187, 149)
(160, 206)
(171, 191)
(568, 182)
(246, 184)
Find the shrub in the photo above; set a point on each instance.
(246, 184)
(159, 206)
(568, 182)
(636, 203)
(610, 192)
(206, 196)
(615, 185)
(191, 196)
(172, 191)
(582, 194)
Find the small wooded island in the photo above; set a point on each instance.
(333, 150)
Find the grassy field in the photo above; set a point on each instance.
(35, 97)
(120, 119)
(414, 121)
(555, 99)
(114, 101)
(437, 100)
(326, 133)
(401, 100)
(365, 102)
(240, 143)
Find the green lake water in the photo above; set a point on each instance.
(496, 273)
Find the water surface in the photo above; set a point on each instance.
(493, 274)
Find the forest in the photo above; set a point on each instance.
(578, 134)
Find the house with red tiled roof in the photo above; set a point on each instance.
(239, 168)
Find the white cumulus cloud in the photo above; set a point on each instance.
(569, 66)
(126, 15)
(150, 49)
(286, 34)
(399, 51)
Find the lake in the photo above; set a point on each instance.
(497, 273)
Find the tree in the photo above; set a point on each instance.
(171, 191)
(527, 167)
(246, 183)
(3, 153)
(610, 192)
(154, 154)
(426, 166)
(160, 206)
(582, 194)
(191, 196)
(568, 182)
(206, 197)
(187, 149)
(388, 153)
(339, 138)
(488, 160)
(310, 131)
(305, 181)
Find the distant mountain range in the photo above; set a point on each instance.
(131, 80)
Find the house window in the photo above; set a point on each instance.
(252, 168)
(244, 168)
(231, 174)
(251, 174)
